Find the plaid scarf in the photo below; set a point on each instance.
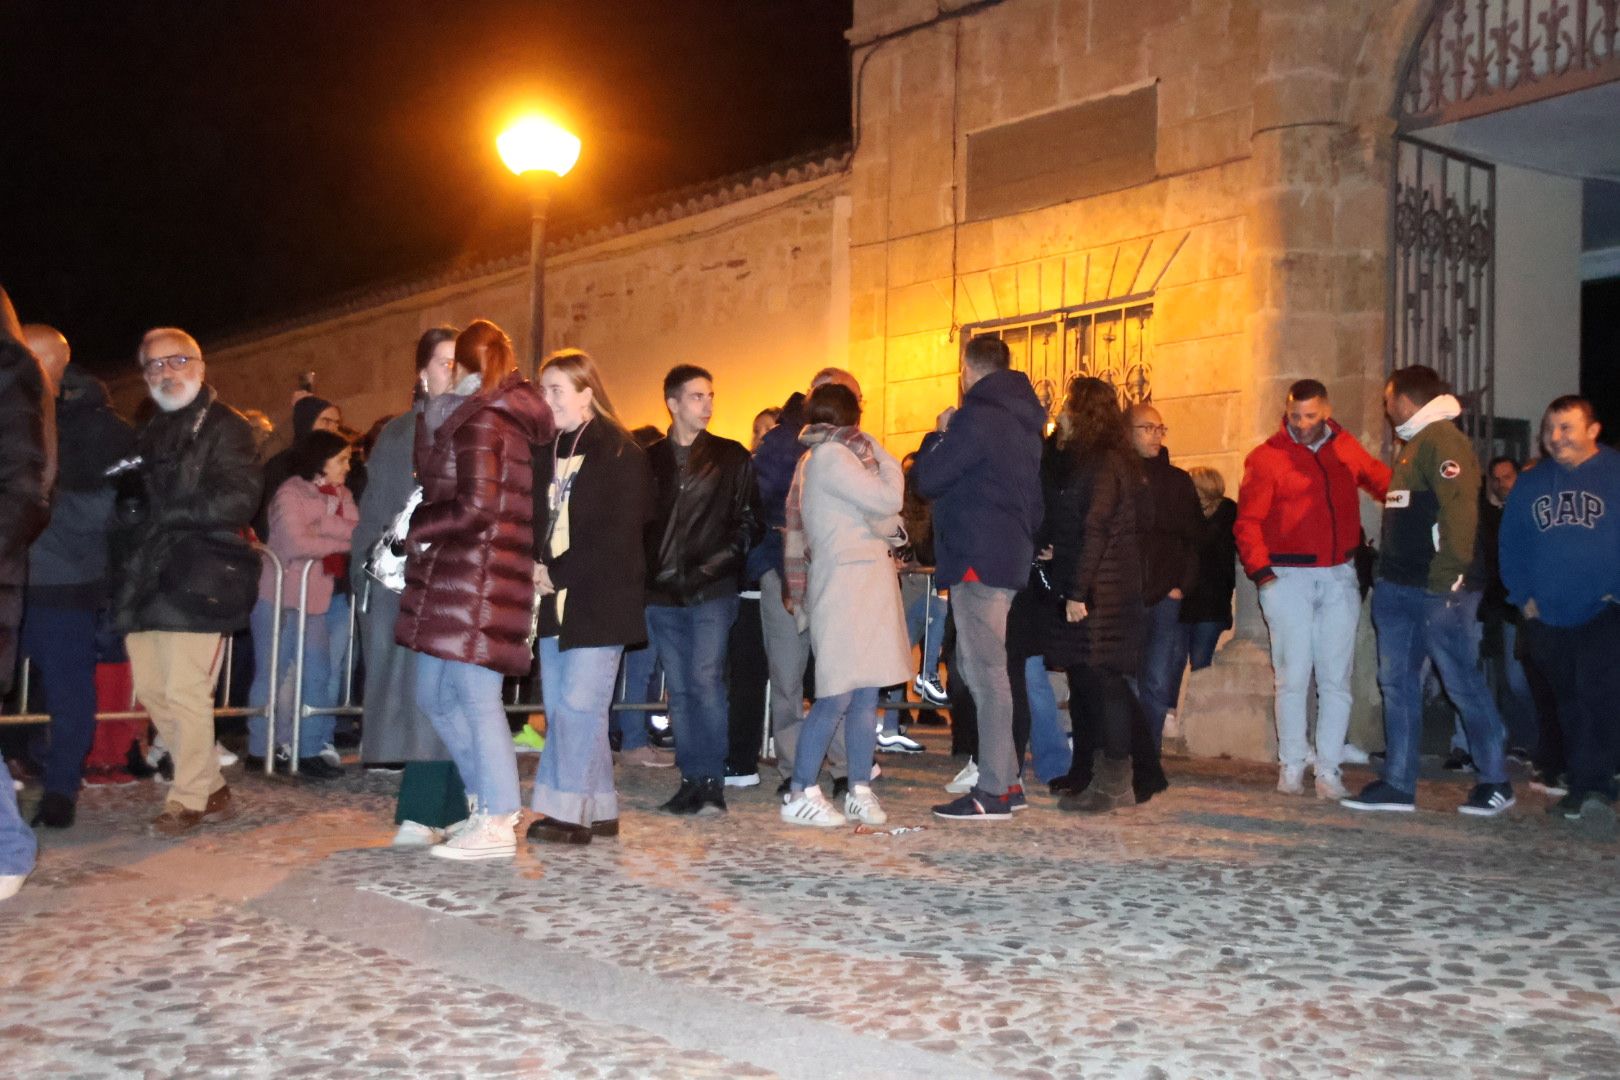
(796, 547)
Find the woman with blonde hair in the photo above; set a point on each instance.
(1206, 610)
(469, 574)
(592, 499)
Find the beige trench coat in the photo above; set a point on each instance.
(857, 624)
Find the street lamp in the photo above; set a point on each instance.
(537, 150)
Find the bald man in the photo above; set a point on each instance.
(191, 577)
(67, 572)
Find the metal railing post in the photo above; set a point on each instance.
(273, 679)
(298, 664)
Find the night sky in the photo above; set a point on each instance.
(216, 163)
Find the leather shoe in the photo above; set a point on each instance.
(546, 830)
(56, 811)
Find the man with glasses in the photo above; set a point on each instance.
(190, 575)
(1167, 527)
(1298, 528)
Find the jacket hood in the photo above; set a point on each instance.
(518, 400)
(80, 390)
(1010, 390)
(1282, 440)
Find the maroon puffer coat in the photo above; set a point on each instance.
(469, 595)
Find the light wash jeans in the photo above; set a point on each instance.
(17, 843)
(574, 782)
(691, 643)
(1048, 743)
(315, 731)
(980, 612)
(856, 710)
(1414, 624)
(1312, 614)
(464, 703)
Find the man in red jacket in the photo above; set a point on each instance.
(1298, 528)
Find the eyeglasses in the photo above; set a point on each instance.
(154, 364)
(1152, 429)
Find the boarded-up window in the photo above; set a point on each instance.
(1102, 145)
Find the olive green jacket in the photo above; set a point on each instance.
(1431, 514)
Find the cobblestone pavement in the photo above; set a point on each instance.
(1223, 930)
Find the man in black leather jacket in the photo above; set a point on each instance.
(706, 518)
(190, 576)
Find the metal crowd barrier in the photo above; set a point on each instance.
(348, 706)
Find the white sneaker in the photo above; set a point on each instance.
(863, 806)
(812, 808)
(930, 691)
(1354, 755)
(1172, 725)
(330, 755)
(966, 780)
(10, 883)
(490, 836)
(1291, 780)
(415, 834)
(898, 744)
(1330, 786)
(226, 758)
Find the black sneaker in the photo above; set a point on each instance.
(56, 811)
(785, 787)
(840, 787)
(685, 800)
(1488, 800)
(1380, 796)
(976, 805)
(711, 796)
(1458, 761)
(317, 768)
(1568, 807)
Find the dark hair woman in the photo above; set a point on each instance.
(312, 519)
(1091, 478)
(469, 574)
(592, 499)
(395, 731)
(843, 518)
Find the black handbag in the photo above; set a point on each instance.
(213, 576)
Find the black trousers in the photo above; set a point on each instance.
(1582, 666)
(1105, 715)
(747, 675)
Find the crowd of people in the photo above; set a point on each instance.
(502, 525)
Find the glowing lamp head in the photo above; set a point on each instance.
(536, 145)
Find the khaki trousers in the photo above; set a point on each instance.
(174, 675)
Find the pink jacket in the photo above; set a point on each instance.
(305, 525)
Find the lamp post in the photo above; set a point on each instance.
(537, 151)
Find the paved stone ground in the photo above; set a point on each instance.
(1221, 931)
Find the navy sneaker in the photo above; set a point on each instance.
(1015, 798)
(976, 805)
(1380, 796)
(1487, 800)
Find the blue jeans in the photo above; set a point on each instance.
(1519, 713)
(640, 668)
(1202, 637)
(315, 731)
(691, 644)
(1412, 624)
(61, 645)
(856, 709)
(17, 844)
(925, 625)
(574, 781)
(1164, 655)
(463, 701)
(1048, 745)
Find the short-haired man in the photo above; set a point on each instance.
(787, 648)
(1298, 527)
(982, 468)
(705, 518)
(190, 577)
(67, 569)
(27, 471)
(1560, 559)
(1426, 601)
(1169, 521)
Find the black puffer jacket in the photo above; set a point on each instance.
(188, 567)
(706, 517)
(1210, 598)
(27, 471)
(1168, 523)
(1091, 526)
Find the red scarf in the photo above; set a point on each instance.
(336, 564)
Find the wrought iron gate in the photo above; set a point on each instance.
(1111, 341)
(1444, 269)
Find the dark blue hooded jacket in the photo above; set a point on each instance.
(983, 475)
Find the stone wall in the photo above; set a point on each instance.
(755, 290)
